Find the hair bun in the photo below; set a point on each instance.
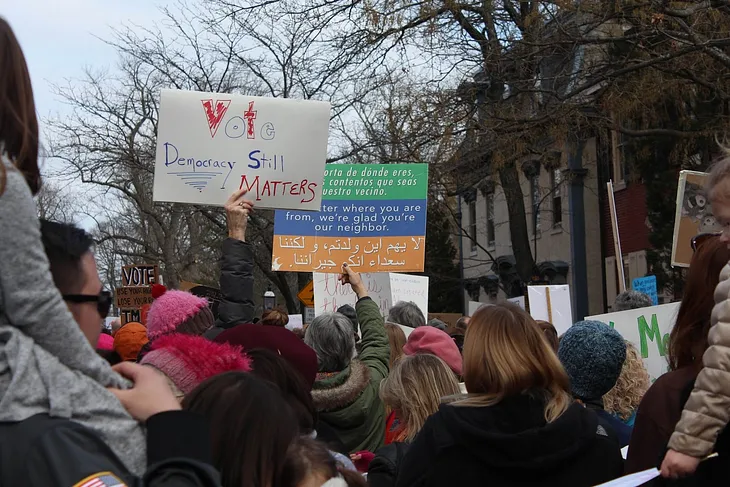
(158, 290)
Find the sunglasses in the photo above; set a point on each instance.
(103, 301)
(698, 240)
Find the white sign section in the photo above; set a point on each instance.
(384, 289)
(648, 329)
(211, 144)
(551, 304)
(295, 321)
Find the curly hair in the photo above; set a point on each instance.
(631, 386)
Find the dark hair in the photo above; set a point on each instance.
(275, 317)
(273, 368)
(251, 427)
(551, 334)
(308, 457)
(688, 339)
(110, 356)
(18, 121)
(351, 315)
(65, 246)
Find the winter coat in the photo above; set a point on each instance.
(383, 470)
(622, 430)
(236, 282)
(511, 444)
(707, 411)
(348, 401)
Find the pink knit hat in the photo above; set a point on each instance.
(188, 360)
(427, 339)
(177, 312)
(105, 342)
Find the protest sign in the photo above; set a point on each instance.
(474, 306)
(295, 322)
(133, 297)
(373, 217)
(693, 215)
(551, 304)
(648, 329)
(140, 275)
(212, 294)
(211, 144)
(647, 285)
(384, 289)
(130, 315)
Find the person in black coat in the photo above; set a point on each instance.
(519, 425)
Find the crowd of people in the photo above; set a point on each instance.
(191, 398)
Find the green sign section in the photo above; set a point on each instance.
(375, 182)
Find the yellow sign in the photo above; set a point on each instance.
(306, 295)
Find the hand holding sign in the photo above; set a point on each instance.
(354, 280)
(237, 211)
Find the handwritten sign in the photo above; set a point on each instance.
(373, 217)
(647, 285)
(140, 275)
(692, 217)
(210, 144)
(384, 289)
(551, 304)
(648, 329)
(130, 315)
(133, 297)
(295, 322)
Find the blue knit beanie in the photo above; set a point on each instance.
(593, 354)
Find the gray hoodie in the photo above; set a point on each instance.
(50, 359)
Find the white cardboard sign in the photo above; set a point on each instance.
(211, 144)
(295, 321)
(551, 304)
(648, 329)
(385, 289)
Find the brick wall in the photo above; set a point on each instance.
(631, 214)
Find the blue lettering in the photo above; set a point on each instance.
(169, 162)
(252, 156)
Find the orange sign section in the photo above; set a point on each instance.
(363, 254)
(306, 295)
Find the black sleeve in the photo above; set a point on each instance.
(382, 470)
(236, 282)
(70, 454)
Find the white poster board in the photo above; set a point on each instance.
(211, 144)
(519, 301)
(295, 321)
(385, 289)
(474, 306)
(551, 304)
(648, 329)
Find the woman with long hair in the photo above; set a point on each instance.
(661, 407)
(519, 424)
(396, 339)
(413, 390)
(623, 400)
(251, 428)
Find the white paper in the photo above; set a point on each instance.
(633, 480)
(519, 301)
(625, 452)
(648, 329)
(474, 306)
(295, 321)
(561, 311)
(385, 289)
(211, 144)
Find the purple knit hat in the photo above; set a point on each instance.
(177, 312)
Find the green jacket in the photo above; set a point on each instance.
(348, 401)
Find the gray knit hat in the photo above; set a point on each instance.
(631, 300)
(593, 354)
(437, 323)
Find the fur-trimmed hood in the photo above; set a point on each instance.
(335, 391)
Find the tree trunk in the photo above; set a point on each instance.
(510, 180)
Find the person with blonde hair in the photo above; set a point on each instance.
(519, 424)
(413, 390)
(397, 339)
(623, 400)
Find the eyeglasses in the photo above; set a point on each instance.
(103, 301)
(698, 240)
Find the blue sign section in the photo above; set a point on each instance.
(647, 285)
(359, 218)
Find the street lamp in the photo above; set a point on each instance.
(269, 299)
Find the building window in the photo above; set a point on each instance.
(535, 194)
(556, 178)
(473, 225)
(621, 155)
(490, 220)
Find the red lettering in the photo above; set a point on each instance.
(286, 183)
(267, 189)
(215, 115)
(250, 116)
(311, 187)
(249, 187)
(275, 184)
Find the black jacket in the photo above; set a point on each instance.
(44, 451)
(236, 306)
(383, 469)
(510, 444)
